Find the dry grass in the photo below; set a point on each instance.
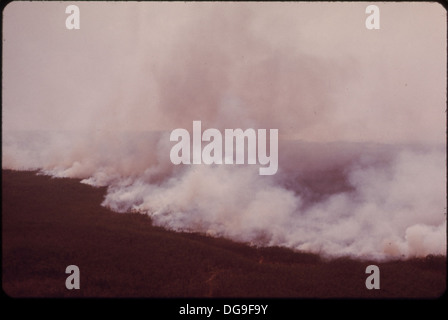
(49, 224)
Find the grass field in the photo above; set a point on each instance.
(48, 224)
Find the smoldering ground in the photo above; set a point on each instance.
(361, 153)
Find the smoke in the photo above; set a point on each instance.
(386, 210)
(361, 167)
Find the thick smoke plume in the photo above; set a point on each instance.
(362, 159)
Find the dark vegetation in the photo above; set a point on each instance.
(48, 224)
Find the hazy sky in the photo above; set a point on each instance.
(313, 70)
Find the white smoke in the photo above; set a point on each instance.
(395, 210)
(370, 203)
